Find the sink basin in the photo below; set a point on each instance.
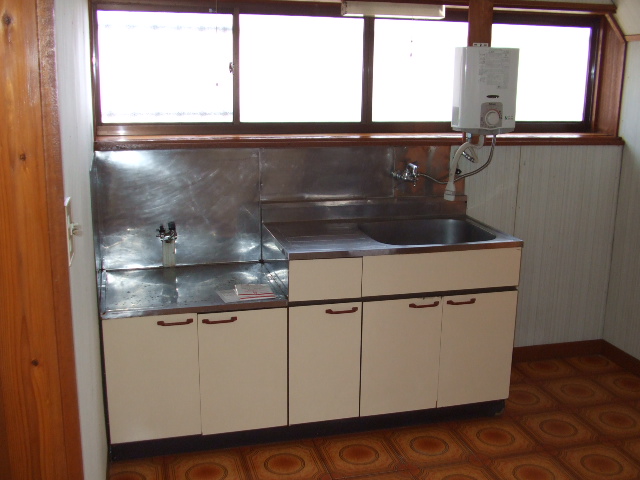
(425, 231)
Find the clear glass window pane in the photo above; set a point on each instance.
(413, 69)
(300, 69)
(160, 67)
(552, 71)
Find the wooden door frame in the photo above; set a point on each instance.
(39, 414)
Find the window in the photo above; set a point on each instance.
(158, 67)
(413, 69)
(296, 69)
(300, 69)
(552, 71)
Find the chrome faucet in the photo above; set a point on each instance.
(409, 174)
(168, 238)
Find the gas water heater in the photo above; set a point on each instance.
(484, 90)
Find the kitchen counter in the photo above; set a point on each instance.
(163, 291)
(195, 289)
(302, 240)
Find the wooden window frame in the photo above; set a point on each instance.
(602, 110)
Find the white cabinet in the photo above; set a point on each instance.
(243, 370)
(177, 375)
(400, 355)
(324, 362)
(440, 271)
(322, 279)
(476, 347)
(151, 367)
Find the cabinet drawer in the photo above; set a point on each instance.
(324, 279)
(440, 271)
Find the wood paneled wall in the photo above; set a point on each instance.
(39, 433)
(622, 326)
(561, 201)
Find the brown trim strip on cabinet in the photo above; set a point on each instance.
(162, 323)
(215, 322)
(434, 304)
(338, 312)
(632, 38)
(468, 302)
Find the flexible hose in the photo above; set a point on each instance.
(478, 170)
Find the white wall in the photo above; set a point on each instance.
(561, 201)
(76, 124)
(622, 327)
(628, 16)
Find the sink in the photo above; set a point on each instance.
(425, 231)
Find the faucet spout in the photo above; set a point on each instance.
(409, 174)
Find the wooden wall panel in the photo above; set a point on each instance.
(37, 376)
(622, 325)
(565, 210)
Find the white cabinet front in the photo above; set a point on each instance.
(151, 367)
(243, 370)
(324, 362)
(400, 355)
(324, 279)
(476, 347)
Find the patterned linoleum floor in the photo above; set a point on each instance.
(574, 418)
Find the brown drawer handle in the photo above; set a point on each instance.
(214, 322)
(468, 302)
(162, 323)
(338, 312)
(434, 304)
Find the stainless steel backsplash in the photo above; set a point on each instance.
(214, 196)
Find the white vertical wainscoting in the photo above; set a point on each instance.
(622, 324)
(565, 214)
(491, 194)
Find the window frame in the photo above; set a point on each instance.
(594, 20)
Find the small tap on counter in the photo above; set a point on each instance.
(168, 238)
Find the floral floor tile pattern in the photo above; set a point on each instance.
(576, 418)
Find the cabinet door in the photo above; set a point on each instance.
(243, 370)
(324, 362)
(151, 366)
(476, 347)
(400, 355)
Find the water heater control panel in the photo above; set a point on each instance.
(484, 91)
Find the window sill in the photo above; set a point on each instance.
(166, 142)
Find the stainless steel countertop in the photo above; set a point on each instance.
(304, 240)
(193, 289)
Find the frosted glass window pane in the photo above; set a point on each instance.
(413, 69)
(552, 71)
(165, 67)
(300, 69)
